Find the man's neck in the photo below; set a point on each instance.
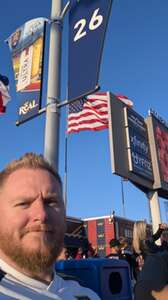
(45, 276)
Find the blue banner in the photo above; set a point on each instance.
(87, 27)
(29, 105)
(139, 145)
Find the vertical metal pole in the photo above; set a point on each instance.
(155, 210)
(149, 205)
(51, 143)
(65, 172)
(122, 197)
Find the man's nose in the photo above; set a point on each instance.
(39, 210)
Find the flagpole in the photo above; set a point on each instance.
(51, 143)
(65, 172)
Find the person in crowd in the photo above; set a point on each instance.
(64, 255)
(143, 240)
(95, 255)
(152, 281)
(126, 253)
(80, 254)
(32, 227)
(164, 240)
(92, 251)
(114, 249)
(67, 254)
(124, 245)
(144, 243)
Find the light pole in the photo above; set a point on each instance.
(51, 143)
(122, 197)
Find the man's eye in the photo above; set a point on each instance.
(52, 203)
(23, 204)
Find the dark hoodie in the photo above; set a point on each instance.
(154, 276)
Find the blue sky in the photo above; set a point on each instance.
(134, 63)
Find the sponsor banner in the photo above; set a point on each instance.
(134, 120)
(27, 48)
(87, 28)
(28, 106)
(130, 146)
(141, 165)
(138, 144)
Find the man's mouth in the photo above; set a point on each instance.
(38, 229)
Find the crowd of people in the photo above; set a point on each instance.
(144, 257)
(32, 228)
(80, 253)
(148, 260)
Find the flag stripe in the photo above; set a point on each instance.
(86, 113)
(92, 123)
(88, 121)
(78, 128)
(87, 118)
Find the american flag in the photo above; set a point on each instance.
(91, 113)
(4, 93)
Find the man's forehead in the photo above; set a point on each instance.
(29, 175)
(31, 182)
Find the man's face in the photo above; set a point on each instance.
(32, 222)
(115, 249)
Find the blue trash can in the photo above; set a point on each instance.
(109, 278)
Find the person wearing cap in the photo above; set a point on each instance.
(115, 249)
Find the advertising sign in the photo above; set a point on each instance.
(87, 27)
(130, 151)
(27, 48)
(161, 138)
(158, 129)
(137, 144)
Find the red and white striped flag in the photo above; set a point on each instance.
(4, 93)
(125, 99)
(91, 113)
